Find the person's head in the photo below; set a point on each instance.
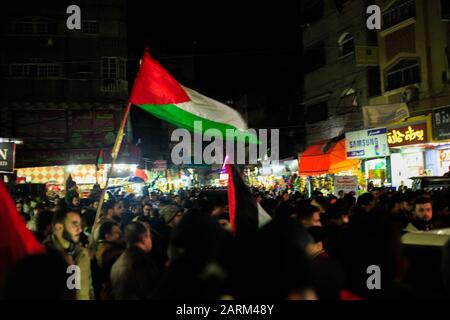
(110, 231)
(67, 227)
(320, 202)
(285, 196)
(317, 245)
(44, 223)
(397, 203)
(309, 216)
(371, 239)
(19, 206)
(114, 209)
(366, 201)
(138, 234)
(423, 210)
(376, 192)
(147, 210)
(341, 194)
(75, 202)
(38, 208)
(172, 215)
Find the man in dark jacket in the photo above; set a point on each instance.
(65, 240)
(134, 275)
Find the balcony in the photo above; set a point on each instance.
(401, 12)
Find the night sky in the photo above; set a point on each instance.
(236, 48)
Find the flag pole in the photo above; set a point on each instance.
(114, 154)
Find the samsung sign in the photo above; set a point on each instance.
(367, 144)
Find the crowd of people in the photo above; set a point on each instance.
(180, 246)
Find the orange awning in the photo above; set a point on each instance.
(316, 161)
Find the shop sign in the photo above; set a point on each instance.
(441, 123)
(365, 144)
(7, 157)
(345, 183)
(408, 135)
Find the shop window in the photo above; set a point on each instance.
(404, 73)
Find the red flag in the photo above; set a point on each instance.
(16, 241)
(140, 173)
(241, 205)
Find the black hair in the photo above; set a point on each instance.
(306, 211)
(106, 228)
(43, 220)
(365, 199)
(61, 215)
(109, 205)
(134, 232)
(422, 200)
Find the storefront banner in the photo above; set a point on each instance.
(7, 157)
(381, 114)
(365, 144)
(345, 183)
(441, 123)
(408, 135)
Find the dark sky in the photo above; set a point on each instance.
(238, 47)
(246, 40)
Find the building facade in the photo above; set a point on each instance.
(340, 63)
(63, 91)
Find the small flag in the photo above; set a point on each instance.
(99, 159)
(246, 216)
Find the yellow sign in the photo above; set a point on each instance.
(407, 135)
(367, 56)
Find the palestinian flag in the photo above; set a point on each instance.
(99, 159)
(16, 241)
(246, 216)
(158, 93)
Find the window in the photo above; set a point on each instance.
(113, 71)
(90, 27)
(84, 67)
(34, 25)
(445, 10)
(346, 44)
(374, 76)
(401, 11)
(314, 58)
(317, 112)
(35, 70)
(404, 73)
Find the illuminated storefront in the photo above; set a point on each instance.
(410, 142)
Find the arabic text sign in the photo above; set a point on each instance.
(345, 183)
(408, 135)
(366, 144)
